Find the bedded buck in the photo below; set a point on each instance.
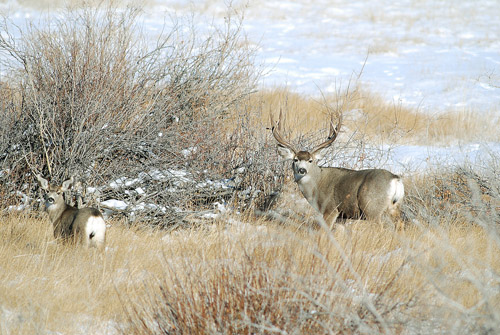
(83, 226)
(338, 192)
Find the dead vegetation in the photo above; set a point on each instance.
(136, 117)
(239, 274)
(375, 119)
(242, 275)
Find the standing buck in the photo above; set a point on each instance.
(84, 226)
(338, 192)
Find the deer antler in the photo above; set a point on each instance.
(334, 131)
(276, 129)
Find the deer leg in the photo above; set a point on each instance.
(375, 218)
(395, 215)
(380, 222)
(331, 218)
(373, 211)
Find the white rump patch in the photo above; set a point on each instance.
(96, 227)
(396, 191)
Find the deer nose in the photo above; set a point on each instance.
(302, 171)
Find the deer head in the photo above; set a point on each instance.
(304, 162)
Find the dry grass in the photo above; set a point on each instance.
(243, 275)
(240, 275)
(380, 119)
(47, 286)
(372, 117)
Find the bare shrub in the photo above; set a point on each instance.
(139, 119)
(466, 194)
(282, 284)
(449, 209)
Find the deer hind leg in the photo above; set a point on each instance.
(391, 217)
(375, 218)
(81, 238)
(380, 209)
(372, 210)
(77, 237)
(395, 215)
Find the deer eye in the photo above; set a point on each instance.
(50, 200)
(310, 161)
(295, 160)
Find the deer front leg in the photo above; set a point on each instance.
(330, 218)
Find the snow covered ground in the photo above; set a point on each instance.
(409, 159)
(435, 55)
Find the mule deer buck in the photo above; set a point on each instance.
(337, 192)
(84, 226)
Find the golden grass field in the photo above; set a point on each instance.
(242, 275)
(373, 118)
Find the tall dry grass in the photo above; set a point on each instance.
(373, 118)
(247, 277)
(50, 287)
(239, 275)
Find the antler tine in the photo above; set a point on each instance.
(334, 131)
(276, 129)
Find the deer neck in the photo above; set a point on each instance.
(308, 185)
(56, 211)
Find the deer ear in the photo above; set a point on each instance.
(285, 152)
(319, 154)
(42, 182)
(66, 185)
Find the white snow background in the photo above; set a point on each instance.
(436, 56)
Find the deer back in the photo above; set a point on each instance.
(355, 193)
